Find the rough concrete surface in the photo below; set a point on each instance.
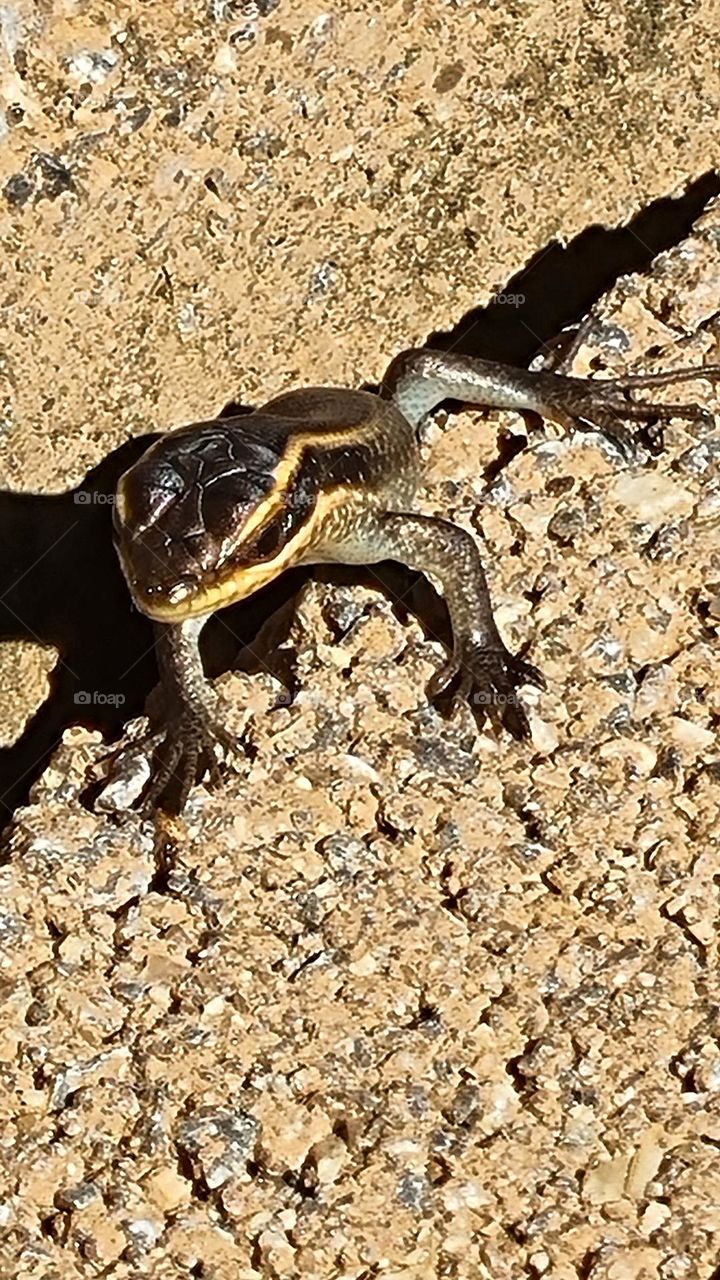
(404, 998)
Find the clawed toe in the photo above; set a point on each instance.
(607, 406)
(187, 752)
(488, 679)
(526, 673)
(618, 435)
(515, 719)
(440, 682)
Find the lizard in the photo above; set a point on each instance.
(215, 510)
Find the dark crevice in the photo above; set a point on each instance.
(306, 963)
(56, 1227)
(516, 799)
(450, 901)
(58, 935)
(678, 1068)
(485, 1019)
(516, 1232)
(304, 1183)
(208, 938)
(428, 1016)
(517, 1068)
(165, 852)
(341, 1130)
(60, 581)
(549, 883)
(587, 1264)
(697, 948)
(175, 1004)
(508, 447)
(387, 828)
(532, 825)
(669, 765)
(186, 1169)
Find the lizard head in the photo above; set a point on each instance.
(206, 516)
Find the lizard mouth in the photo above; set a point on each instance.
(192, 597)
(159, 601)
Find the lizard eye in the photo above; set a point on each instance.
(272, 538)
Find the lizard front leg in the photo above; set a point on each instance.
(192, 717)
(417, 381)
(481, 668)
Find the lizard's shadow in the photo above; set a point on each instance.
(60, 581)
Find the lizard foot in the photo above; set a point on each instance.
(186, 753)
(488, 679)
(605, 405)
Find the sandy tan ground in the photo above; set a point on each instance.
(411, 1000)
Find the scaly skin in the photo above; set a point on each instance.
(214, 511)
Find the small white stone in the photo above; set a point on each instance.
(688, 734)
(145, 1232)
(93, 65)
(651, 496)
